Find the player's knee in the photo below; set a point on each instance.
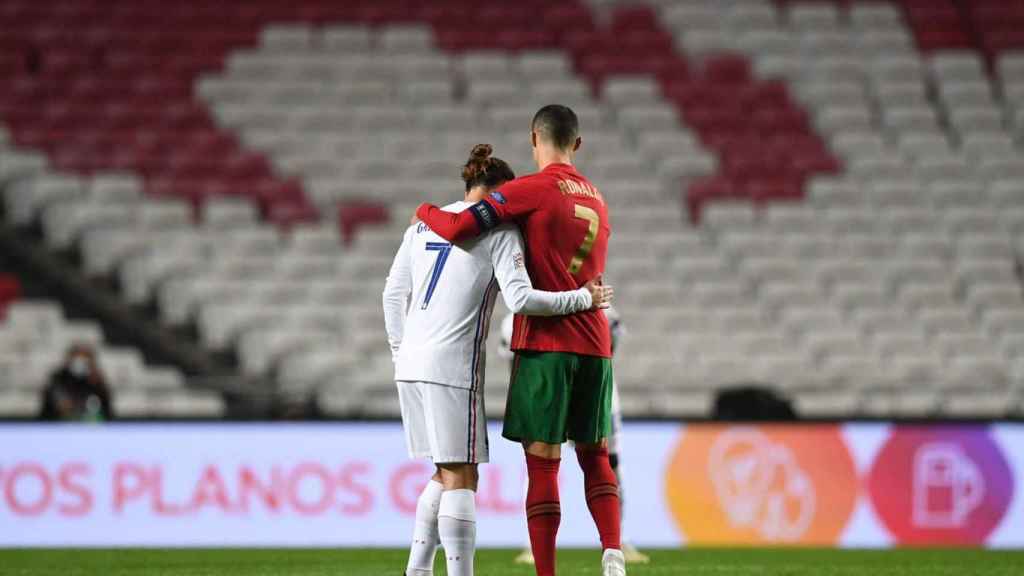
(591, 446)
(543, 450)
(459, 476)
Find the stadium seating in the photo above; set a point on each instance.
(881, 282)
(821, 196)
(34, 337)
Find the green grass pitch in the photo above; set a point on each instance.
(694, 562)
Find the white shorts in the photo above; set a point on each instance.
(444, 423)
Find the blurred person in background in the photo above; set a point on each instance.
(77, 390)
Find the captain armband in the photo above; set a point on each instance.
(485, 214)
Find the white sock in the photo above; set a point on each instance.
(456, 522)
(424, 536)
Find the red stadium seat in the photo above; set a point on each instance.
(387, 12)
(998, 39)
(442, 14)
(931, 39)
(772, 93)
(644, 44)
(805, 165)
(289, 214)
(719, 141)
(782, 189)
(353, 215)
(497, 17)
(697, 93)
(515, 40)
(670, 69)
(461, 39)
(727, 69)
(715, 120)
(777, 120)
(714, 189)
(930, 11)
(751, 160)
(10, 291)
(562, 17)
(635, 19)
(581, 43)
(318, 13)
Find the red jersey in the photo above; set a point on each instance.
(564, 221)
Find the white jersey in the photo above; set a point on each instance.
(438, 301)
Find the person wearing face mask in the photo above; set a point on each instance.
(77, 390)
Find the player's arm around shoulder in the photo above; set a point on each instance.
(512, 200)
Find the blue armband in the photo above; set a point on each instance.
(485, 214)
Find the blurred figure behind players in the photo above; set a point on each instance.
(437, 306)
(77, 391)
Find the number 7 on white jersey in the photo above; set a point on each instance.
(442, 249)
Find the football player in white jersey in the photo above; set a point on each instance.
(630, 552)
(437, 308)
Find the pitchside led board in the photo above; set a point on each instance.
(860, 485)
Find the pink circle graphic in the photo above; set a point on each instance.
(941, 485)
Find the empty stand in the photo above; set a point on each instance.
(850, 227)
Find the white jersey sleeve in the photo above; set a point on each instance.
(506, 247)
(397, 291)
(505, 344)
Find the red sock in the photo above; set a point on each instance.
(543, 511)
(602, 495)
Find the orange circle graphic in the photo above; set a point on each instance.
(757, 485)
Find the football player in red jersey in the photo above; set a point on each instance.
(561, 384)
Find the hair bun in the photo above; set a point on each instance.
(481, 152)
(484, 169)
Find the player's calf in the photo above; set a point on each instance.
(456, 519)
(425, 536)
(602, 493)
(543, 506)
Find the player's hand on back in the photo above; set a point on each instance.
(601, 294)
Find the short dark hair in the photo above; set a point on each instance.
(482, 169)
(557, 124)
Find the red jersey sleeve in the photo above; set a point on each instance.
(513, 200)
(453, 227)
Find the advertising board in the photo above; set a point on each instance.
(352, 484)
